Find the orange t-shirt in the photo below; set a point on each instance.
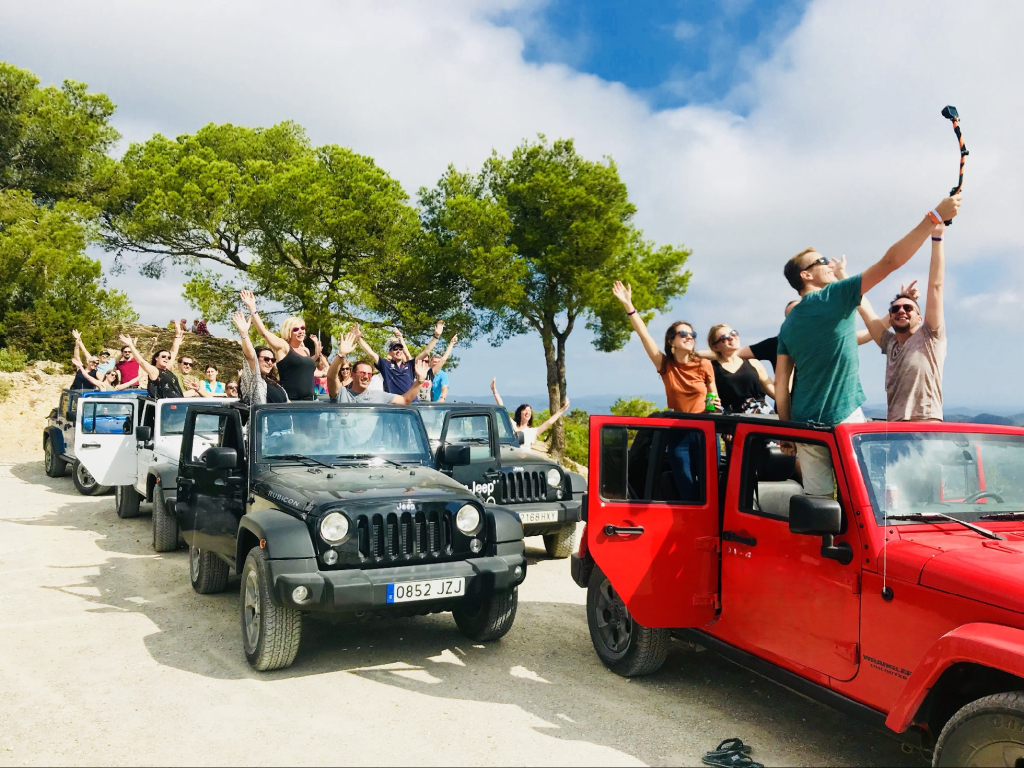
(686, 384)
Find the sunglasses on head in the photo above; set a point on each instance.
(730, 335)
(823, 260)
(686, 334)
(908, 308)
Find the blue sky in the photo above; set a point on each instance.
(673, 52)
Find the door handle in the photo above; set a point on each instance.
(90, 445)
(750, 541)
(623, 530)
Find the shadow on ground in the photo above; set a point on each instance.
(546, 665)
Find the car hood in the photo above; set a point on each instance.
(305, 488)
(522, 456)
(965, 564)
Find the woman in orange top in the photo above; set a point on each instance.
(687, 378)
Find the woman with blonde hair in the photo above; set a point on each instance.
(295, 365)
(742, 384)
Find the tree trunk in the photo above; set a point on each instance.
(554, 392)
(558, 430)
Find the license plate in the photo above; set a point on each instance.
(547, 516)
(407, 591)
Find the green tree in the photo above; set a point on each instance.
(47, 284)
(53, 141)
(635, 407)
(536, 240)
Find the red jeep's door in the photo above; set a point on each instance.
(652, 516)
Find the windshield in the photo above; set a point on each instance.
(172, 420)
(332, 435)
(433, 420)
(968, 475)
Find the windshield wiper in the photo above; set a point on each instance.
(926, 516)
(1003, 516)
(367, 457)
(299, 457)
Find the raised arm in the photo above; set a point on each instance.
(494, 391)
(783, 372)
(933, 310)
(179, 336)
(144, 365)
(425, 352)
(85, 373)
(248, 350)
(345, 346)
(875, 326)
(422, 366)
(80, 345)
(367, 349)
(766, 381)
(446, 355)
(624, 293)
(275, 342)
(547, 424)
(900, 253)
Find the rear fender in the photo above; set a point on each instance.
(990, 645)
(285, 537)
(503, 523)
(56, 438)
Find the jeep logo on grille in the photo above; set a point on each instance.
(518, 469)
(406, 506)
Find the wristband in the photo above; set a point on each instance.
(934, 216)
(936, 239)
(631, 313)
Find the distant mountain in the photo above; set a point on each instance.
(988, 418)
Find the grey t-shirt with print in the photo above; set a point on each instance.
(913, 374)
(369, 396)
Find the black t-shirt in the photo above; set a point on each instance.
(81, 382)
(296, 372)
(767, 350)
(166, 386)
(275, 392)
(735, 389)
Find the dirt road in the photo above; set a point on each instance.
(107, 656)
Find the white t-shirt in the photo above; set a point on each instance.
(530, 435)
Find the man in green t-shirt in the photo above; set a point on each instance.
(819, 339)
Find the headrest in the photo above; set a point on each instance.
(772, 465)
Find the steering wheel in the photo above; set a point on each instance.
(983, 495)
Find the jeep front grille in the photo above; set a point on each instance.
(519, 487)
(407, 537)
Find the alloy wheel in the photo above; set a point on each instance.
(251, 609)
(614, 623)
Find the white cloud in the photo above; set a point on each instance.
(840, 143)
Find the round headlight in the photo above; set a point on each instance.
(554, 478)
(467, 519)
(334, 527)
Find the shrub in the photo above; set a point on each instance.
(634, 406)
(5, 389)
(12, 360)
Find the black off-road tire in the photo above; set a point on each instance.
(165, 527)
(84, 482)
(207, 572)
(55, 466)
(126, 501)
(989, 731)
(490, 619)
(559, 545)
(271, 633)
(624, 645)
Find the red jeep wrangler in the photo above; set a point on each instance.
(899, 599)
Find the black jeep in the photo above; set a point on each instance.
(336, 509)
(501, 471)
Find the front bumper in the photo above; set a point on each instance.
(569, 513)
(355, 591)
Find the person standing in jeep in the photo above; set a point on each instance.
(359, 391)
(819, 339)
(162, 382)
(395, 369)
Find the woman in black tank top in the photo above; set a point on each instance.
(742, 384)
(161, 382)
(295, 365)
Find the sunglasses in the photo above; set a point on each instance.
(730, 335)
(908, 308)
(823, 260)
(266, 359)
(346, 368)
(366, 374)
(185, 364)
(686, 334)
(298, 328)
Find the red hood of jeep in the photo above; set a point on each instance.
(964, 563)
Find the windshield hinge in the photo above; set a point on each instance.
(848, 651)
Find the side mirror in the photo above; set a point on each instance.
(521, 437)
(221, 458)
(455, 455)
(815, 516)
(144, 434)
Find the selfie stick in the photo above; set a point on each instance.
(950, 113)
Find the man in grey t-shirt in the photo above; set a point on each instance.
(362, 374)
(915, 348)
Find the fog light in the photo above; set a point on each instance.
(330, 557)
(518, 572)
(300, 594)
(558, 494)
(475, 546)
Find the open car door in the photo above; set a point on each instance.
(477, 431)
(105, 438)
(652, 516)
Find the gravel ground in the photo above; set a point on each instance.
(108, 657)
